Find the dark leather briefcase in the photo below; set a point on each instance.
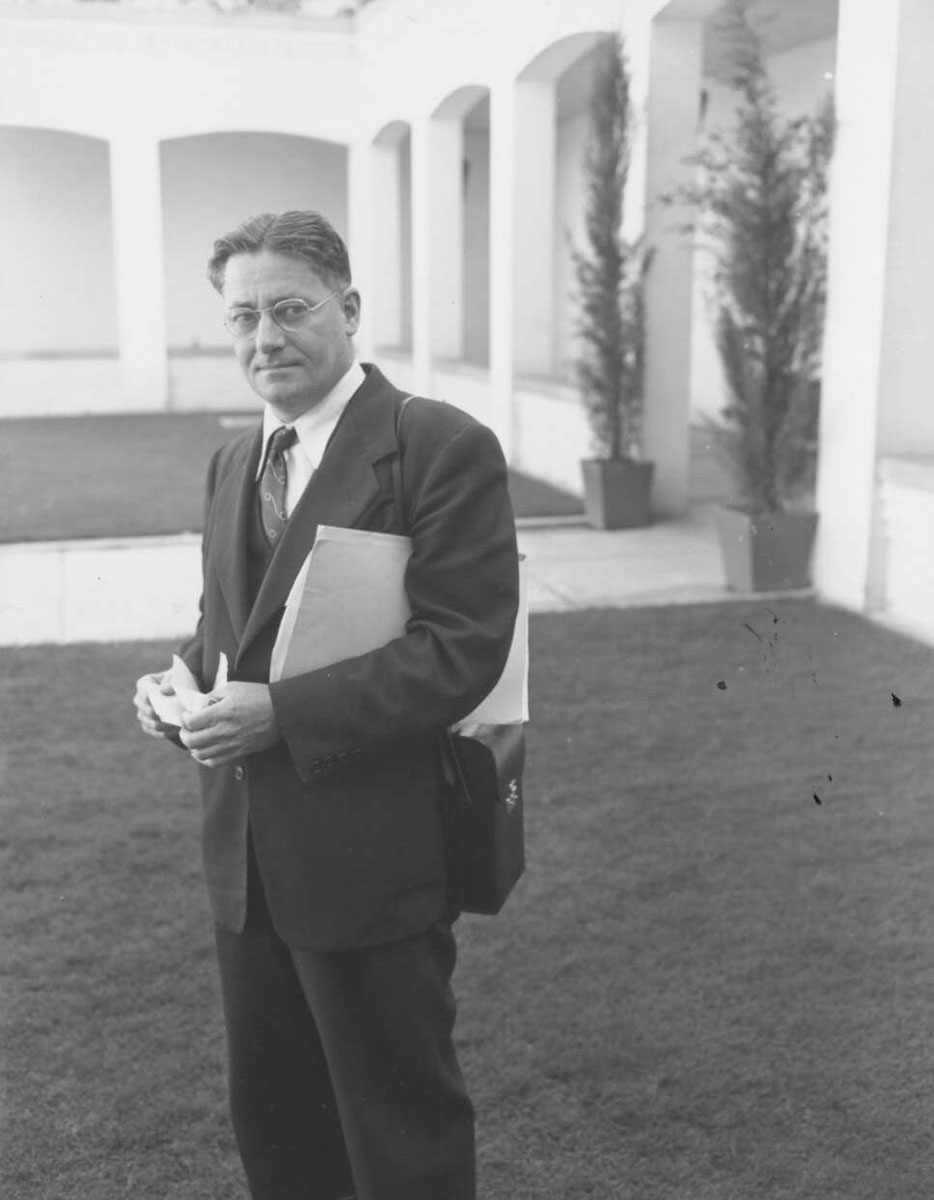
(485, 818)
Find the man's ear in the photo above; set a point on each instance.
(350, 306)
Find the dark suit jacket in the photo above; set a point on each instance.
(345, 810)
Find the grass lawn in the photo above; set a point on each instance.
(714, 983)
(118, 476)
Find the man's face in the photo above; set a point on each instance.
(294, 371)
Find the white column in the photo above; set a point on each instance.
(386, 209)
(421, 255)
(534, 154)
(876, 375)
(502, 261)
(140, 270)
(675, 63)
(360, 241)
(446, 201)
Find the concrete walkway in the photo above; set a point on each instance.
(671, 562)
(139, 588)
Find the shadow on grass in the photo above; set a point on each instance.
(713, 984)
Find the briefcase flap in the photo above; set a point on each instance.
(487, 820)
(493, 757)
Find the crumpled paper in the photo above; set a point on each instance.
(188, 696)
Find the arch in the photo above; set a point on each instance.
(551, 63)
(61, 125)
(299, 129)
(392, 134)
(457, 104)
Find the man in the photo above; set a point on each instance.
(323, 793)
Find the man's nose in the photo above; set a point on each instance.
(268, 334)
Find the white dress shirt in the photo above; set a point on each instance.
(314, 428)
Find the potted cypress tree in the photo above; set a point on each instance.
(761, 201)
(610, 276)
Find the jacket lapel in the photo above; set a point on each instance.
(232, 507)
(340, 492)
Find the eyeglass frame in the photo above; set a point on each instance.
(271, 308)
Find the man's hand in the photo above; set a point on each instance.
(239, 720)
(145, 713)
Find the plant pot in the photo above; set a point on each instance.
(767, 552)
(616, 492)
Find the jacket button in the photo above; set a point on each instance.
(239, 772)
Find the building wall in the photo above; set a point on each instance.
(209, 184)
(122, 71)
(57, 281)
(906, 422)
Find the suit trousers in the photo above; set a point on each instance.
(343, 1077)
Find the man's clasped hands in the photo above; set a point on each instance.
(236, 719)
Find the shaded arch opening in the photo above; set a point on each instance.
(59, 299)
(552, 95)
(461, 226)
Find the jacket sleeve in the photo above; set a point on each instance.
(462, 582)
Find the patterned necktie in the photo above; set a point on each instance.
(273, 481)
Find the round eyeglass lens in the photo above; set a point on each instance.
(243, 323)
(290, 314)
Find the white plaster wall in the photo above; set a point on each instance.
(802, 77)
(907, 506)
(552, 433)
(57, 281)
(211, 183)
(906, 409)
(164, 75)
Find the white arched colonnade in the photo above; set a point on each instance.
(487, 133)
(451, 128)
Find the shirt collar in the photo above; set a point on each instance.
(315, 426)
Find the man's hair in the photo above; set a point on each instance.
(306, 235)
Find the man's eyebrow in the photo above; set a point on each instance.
(253, 307)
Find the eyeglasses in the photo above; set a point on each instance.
(289, 315)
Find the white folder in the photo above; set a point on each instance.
(349, 598)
